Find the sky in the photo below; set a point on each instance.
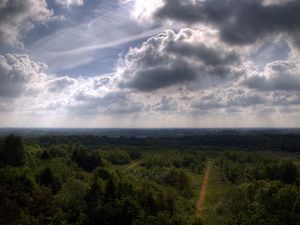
(149, 63)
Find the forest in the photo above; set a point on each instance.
(289, 142)
(195, 180)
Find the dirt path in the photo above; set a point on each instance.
(200, 202)
(133, 165)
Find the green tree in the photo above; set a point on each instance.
(47, 178)
(12, 151)
(86, 160)
(288, 172)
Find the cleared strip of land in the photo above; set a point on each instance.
(133, 165)
(200, 202)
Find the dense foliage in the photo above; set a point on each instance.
(74, 183)
(69, 184)
(240, 167)
(116, 156)
(260, 203)
(264, 191)
(85, 159)
(194, 160)
(11, 151)
(264, 141)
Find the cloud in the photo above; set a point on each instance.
(18, 73)
(61, 83)
(144, 9)
(99, 82)
(229, 98)
(283, 98)
(240, 22)
(166, 104)
(110, 103)
(178, 59)
(25, 87)
(278, 75)
(88, 48)
(156, 78)
(19, 16)
(34, 93)
(68, 3)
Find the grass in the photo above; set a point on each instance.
(215, 189)
(196, 182)
(197, 178)
(124, 167)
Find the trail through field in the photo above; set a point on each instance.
(200, 202)
(133, 165)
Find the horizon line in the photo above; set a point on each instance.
(149, 128)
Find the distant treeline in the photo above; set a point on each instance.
(274, 142)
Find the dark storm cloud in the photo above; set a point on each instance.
(177, 59)
(239, 21)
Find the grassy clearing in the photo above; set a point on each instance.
(125, 167)
(215, 189)
(197, 178)
(196, 182)
(202, 191)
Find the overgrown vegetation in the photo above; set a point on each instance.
(73, 184)
(78, 184)
(264, 190)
